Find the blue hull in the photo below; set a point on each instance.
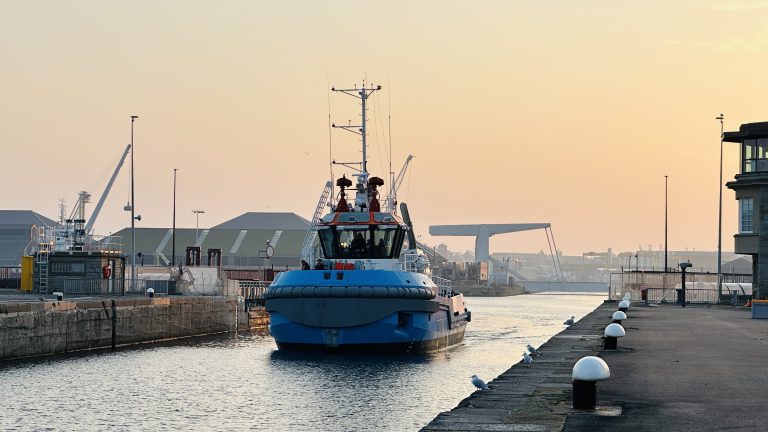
(366, 310)
(426, 333)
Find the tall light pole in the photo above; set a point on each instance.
(133, 213)
(720, 217)
(173, 247)
(197, 224)
(666, 231)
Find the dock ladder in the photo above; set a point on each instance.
(42, 266)
(307, 248)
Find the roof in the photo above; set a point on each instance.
(265, 221)
(11, 250)
(247, 243)
(14, 219)
(741, 265)
(747, 131)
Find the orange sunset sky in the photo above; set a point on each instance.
(517, 111)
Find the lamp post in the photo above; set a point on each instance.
(666, 252)
(173, 247)
(133, 213)
(197, 223)
(637, 261)
(720, 217)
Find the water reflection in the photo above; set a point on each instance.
(241, 382)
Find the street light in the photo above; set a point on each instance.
(197, 224)
(666, 268)
(720, 217)
(133, 213)
(173, 247)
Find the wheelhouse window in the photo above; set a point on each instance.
(746, 215)
(754, 155)
(361, 241)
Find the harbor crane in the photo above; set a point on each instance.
(391, 201)
(84, 197)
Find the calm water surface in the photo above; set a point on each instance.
(241, 382)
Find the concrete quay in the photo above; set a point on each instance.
(32, 327)
(677, 369)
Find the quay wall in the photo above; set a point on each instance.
(35, 329)
(531, 397)
(555, 286)
(489, 291)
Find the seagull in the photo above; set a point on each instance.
(569, 321)
(479, 383)
(527, 359)
(532, 350)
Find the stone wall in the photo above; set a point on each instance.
(33, 329)
(489, 291)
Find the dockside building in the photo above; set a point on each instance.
(751, 187)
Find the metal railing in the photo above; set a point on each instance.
(635, 282)
(412, 263)
(693, 296)
(94, 287)
(444, 286)
(252, 292)
(161, 287)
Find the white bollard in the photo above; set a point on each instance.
(612, 333)
(586, 372)
(623, 305)
(618, 317)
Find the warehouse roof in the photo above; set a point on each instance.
(15, 219)
(265, 221)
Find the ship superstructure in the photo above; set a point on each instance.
(369, 289)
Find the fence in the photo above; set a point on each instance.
(635, 282)
(10, 277)
(694, 296)
(252, 292)
(94, 287)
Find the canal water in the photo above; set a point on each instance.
(241, 382)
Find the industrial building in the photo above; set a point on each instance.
(243, 240)
(751, 187)
(16, 233)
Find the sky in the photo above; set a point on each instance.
(563, 112)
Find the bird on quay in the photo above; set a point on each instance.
(479, 383)
(532, 350)
(527, 359)
(569, 321)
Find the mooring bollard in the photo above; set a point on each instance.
(612, 333)
(623, 305)
(586, 372)
(150, 292)
(618, 317)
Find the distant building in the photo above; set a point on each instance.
(16, 233)
(242, 240)
(751, 187)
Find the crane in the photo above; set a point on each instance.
(84, 197)
(391, 201)
(97, 210)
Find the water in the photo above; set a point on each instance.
(243, 383)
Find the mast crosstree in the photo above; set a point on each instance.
(363, 94)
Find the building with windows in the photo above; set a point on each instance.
(751, 187)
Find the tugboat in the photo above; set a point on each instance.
(367, 292)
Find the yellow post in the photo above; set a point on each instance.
(27, 271)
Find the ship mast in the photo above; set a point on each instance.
(362, 93)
